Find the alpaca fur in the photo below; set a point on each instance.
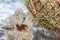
(17, 19)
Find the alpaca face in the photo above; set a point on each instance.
(20, 18)
(23, 26)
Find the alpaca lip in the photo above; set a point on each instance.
(21, 27)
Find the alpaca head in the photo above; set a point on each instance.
(19, 18)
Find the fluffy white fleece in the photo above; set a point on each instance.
(17, 19)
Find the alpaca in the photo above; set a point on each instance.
(20, 32)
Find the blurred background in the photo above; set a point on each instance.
(8, 7)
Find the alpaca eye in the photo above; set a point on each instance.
(23, 20)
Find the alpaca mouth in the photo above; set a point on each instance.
(21, 27)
